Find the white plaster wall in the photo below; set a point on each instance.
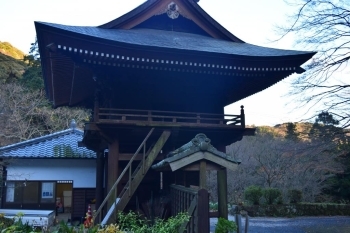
(81, 171)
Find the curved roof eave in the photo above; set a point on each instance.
(180, 41)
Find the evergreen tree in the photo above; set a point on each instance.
(292, 133)
(32, 77)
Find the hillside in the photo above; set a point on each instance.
(7, 49)
(281, 130)
(11, 65)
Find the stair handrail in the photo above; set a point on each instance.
(98, 211)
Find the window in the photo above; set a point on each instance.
(30, 192)
(14, 192)
(48, 192)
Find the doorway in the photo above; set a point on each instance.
(64, 190)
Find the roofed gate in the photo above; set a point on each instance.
(190, 193)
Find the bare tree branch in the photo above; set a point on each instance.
(323, 26)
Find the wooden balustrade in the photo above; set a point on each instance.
(130, 116)
(195, 203)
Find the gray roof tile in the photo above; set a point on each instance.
(63, 144)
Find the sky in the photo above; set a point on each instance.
(253, 21)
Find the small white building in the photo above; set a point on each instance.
(48, 173)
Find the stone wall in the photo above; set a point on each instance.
(292, 210)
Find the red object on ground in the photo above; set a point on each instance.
(88, 222)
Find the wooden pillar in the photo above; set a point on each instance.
(113, 165)
(99, 178)
(222, 193)
(222, 188)
(203, 174)
(96, 106)
(203, 211)
(242, 117)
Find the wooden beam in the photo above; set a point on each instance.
(186, 161)
(94, 127)
(198, 156)
(195, 167)
(220, 161)
(203, 174)
(127, 157)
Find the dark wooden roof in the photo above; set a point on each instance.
(201, 68)
(152, 39)
(189, 8)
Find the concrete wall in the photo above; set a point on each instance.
(81, 171)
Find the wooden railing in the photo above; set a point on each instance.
(169, 118)
(196, 203)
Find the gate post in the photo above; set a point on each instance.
(222, 193)
(203, 211)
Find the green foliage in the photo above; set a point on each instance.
(171, 225)
(63, 227)
(131, 221)
(253, 194)
(11, 70)
(32, 78)
(19, 226)
(326, 118)
(272, 195)
(292, 133)
(225, 226)
(5, 222)
(135, 223)
(213, 205)
(12, 66)
(295, 195)
(339, 187)
(7, 49)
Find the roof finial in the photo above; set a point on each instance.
(73, 124)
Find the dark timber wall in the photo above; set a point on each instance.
(81, 199)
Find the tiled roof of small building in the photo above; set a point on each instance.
(63, 144)
(199, 143)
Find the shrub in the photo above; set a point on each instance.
(295, 195)
(213, 205)
(272, 195)
(5, 222)
(253, 194)
(135, 223)
(19, 226)
(224, 226)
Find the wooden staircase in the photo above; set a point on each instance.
(135, 178)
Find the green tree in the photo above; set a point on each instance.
(292, 133)
(11, 70)
(32, 77)
(326, 131)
